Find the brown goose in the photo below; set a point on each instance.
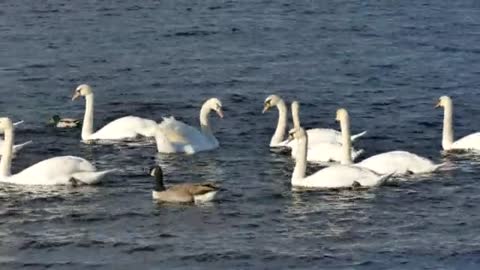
(181, 193)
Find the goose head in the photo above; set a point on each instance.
(5, 123)
(270, 102)
(342, 115)
(54, 120)
(444, 101)
(82, 90)
(158, 174)
(216, 105)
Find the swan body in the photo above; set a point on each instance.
(174, 136)
(399, 162)
(182, 193)
(336, 176)
(469, 142)
(326, 152)
(64, 170)
(125, 128)
(394, 162)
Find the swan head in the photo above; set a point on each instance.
(158, 174)
(82, 90)
(342, 115)
(296, 133)
(444, 101)
(5, 123)
(295, 106)
(270, 102)
(216, 105)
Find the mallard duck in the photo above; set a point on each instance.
(181, 193)
(59, 122)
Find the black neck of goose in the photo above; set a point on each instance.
(159, 181)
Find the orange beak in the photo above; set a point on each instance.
(75, 96)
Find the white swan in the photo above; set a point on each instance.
(321, 151)
(66, 170)
(469, 142)
(315, 135)
(393, 162)
(124, 128)
(175, 136)
(336, 176)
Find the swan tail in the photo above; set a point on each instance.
(356, 136)
(20, 146)
(356, 154)
(91, 178)
(18, 123)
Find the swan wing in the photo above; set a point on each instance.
(398, 162)
(471, 141)
(180, 133)
(125, 128)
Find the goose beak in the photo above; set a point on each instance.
(265, 108)
(438, 105)
(75, 96)
(220, 112)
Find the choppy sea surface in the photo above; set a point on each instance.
(386, 61)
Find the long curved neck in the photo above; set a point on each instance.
(279, 134)
(87, 127)
(6, 160)
(204, 121)
(301, 161)
(447, 137)
(295, 116)
(346, 141)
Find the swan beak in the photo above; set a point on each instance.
(75, 96)
(220, 112)
(438, 105)
(290, 138)
(265, 108)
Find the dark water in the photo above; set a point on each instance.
(386, 61)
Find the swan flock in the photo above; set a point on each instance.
(334, 149)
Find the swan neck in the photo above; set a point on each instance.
(279, 134)
(6, 160)
(295, 117)
(447, 136)
(301, 160)
(346, 141)
(87, 127)
(204, 121)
